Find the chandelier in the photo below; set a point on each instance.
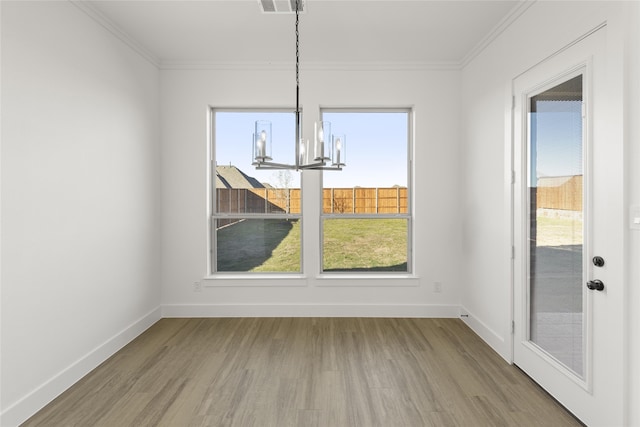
(328, 151)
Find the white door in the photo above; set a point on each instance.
(567, 206)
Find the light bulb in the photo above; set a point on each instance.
(321, 135)
(338, 144)
(261, 143)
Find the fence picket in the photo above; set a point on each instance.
(359, 200)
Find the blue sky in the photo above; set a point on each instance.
(376, 146)
(557, 138)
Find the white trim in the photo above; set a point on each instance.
(510, 180)
(311, 310)
(558, 365)
(368, 279)
(90, 10)
(603, 403)
(20, 411)
(584, 69)
(488, 335)
(564, 48)
(409, 216)
(1, 211)
(390, 279)
(496, 31)
(254, 279)
(309, 66)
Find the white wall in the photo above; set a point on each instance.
(81, 196)
(434, 95)
(545, 28)
(80, 200)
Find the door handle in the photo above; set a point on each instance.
(595, 285)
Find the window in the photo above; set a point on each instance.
(255, 214)
(366, 218)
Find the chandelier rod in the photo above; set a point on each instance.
(263, 161)
(297, 136)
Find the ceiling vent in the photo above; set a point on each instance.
(281, 6)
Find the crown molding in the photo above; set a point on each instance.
(91, 11)
(504, 23)
(383, 66)
(310, 66)
(224, 65)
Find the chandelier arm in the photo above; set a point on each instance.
(264, 161)
(275, 166)
(321, 167)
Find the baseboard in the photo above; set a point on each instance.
(40, 397)
(310, 310)
(26, 407)
(488, 335)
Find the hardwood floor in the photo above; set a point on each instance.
(305, 372)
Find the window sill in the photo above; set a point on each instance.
(266, 280)
(301, 280)
(363, 279)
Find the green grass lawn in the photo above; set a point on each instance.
(349, 245)
(558, 231)
(286, 256)
(259, 245)
(365, 244)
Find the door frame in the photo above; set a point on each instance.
(510, 206)
(585, 69)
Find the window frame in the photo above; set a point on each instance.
(213, 215)
(408, 215)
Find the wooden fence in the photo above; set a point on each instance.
(335, 200)
(562, 193)
(361, 200)
(256, 200)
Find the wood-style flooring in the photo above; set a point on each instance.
(305, 372)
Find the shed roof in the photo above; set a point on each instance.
(232, 177)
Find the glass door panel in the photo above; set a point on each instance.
(556, 290)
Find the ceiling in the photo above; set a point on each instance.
(448, 32)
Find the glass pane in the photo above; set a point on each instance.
(365, 200)
(556, 284)
(252, 244)
(374, 180)
(257, 245)
(365, 244)
(240, 187)
(258, 200)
